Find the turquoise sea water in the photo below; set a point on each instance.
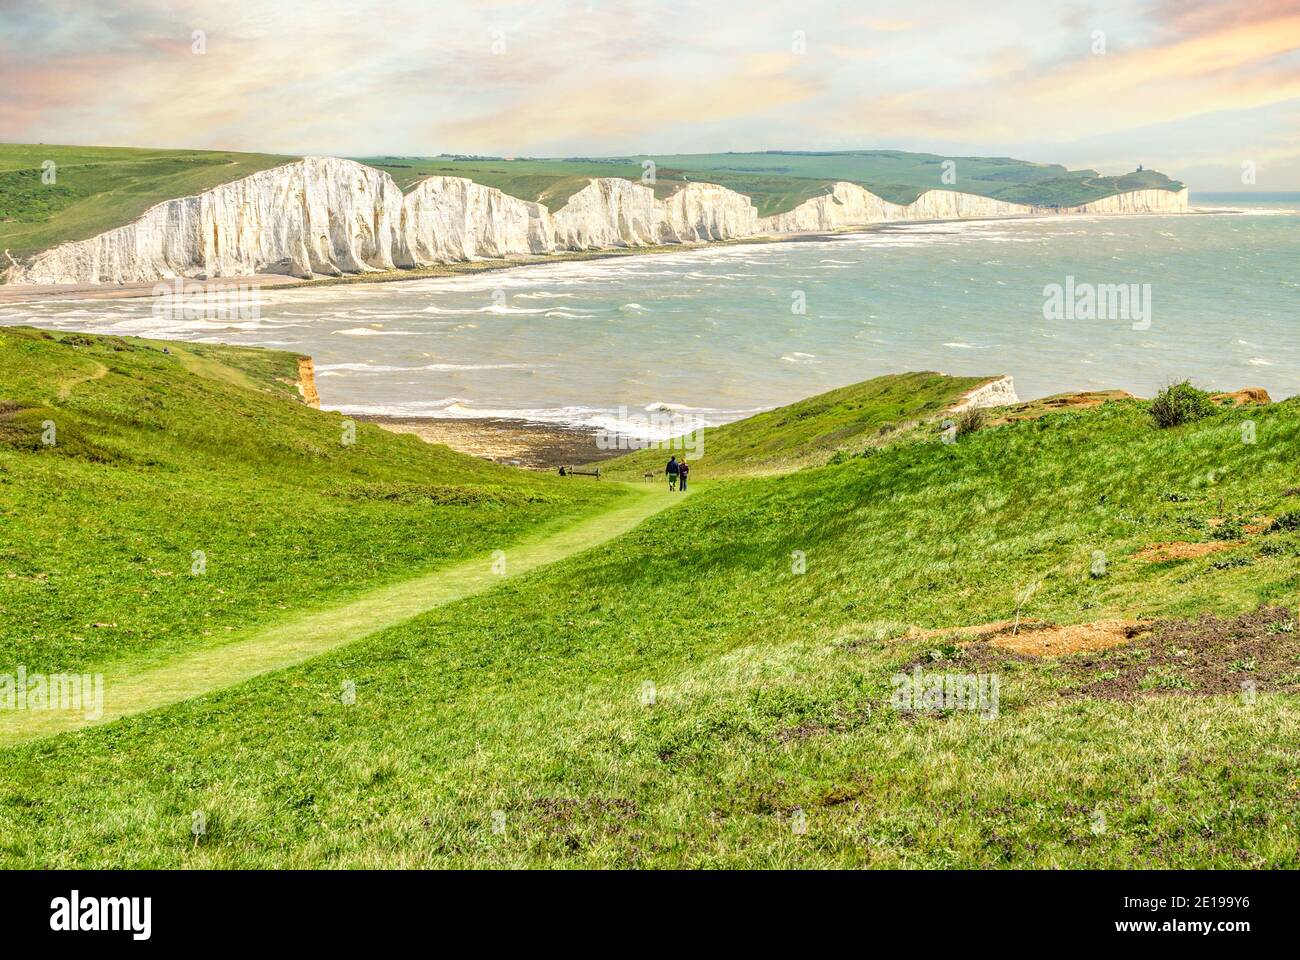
(714, 332)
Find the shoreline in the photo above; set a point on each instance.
(508, 441)
(534, 445)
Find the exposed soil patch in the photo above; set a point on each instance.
(1063, 401)
(1254, 525)
(976, 631)
(1246, 396)
(1037, 639)
(1182, 550)
(1255, 652)
(1075, 638)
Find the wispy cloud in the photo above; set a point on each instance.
(595, 76)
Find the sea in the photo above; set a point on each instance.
(713, 334)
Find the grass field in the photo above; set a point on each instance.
(843, 421)
(98, 188)
(205, 448)
(714, 687)
(779, 181)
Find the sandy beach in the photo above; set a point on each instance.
(517, 443)
(30, 292)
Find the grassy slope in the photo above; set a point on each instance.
(98, 188)
(780, 181)
(299, 637)
(159, 455)
(808, 431)
(771, 688)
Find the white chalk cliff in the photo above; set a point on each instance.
(325, 216)
(998, 392)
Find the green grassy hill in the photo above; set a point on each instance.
(780, 180)
(205, 448)
(99, 188)
(847, 419)
(714, 688)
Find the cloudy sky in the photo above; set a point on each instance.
(1194, 88)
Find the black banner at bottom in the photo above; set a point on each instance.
(334, 909)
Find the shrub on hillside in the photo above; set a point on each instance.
(970, 420)
(1180, 403)
(1288, 521)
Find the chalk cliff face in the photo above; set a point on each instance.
(316, 216)
(846, 205)
(1137, 201)
(849, 205)
(998, 392)
(448, 219)
(608, 212)
(705, 211)
(330, 216)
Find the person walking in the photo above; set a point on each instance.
(682, 470)
(672, 471)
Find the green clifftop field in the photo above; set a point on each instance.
(206, 448)
(711, 688)
(99, 188)
(808, 431)
(778, 181)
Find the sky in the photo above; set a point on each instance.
(1203, 90)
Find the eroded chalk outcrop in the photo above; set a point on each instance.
(998, 392)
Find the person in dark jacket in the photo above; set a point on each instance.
(682, 471)
(672, 469)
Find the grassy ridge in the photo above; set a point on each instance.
(848, 420)
(528, 708)
(778, 181)
(201, 448)
(99, 188)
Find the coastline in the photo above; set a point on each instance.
(18, 293)
(507, 441)
(34, 293)
(534, 445)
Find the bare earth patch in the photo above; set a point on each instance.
(1254, 525)
(976, 631)
(1245, 655)
(1034, 638)
(1063, 401)
(1246, 396)
(1075, 638)
(1182, 550)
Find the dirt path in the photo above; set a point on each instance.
(67, 386)
(131, 689)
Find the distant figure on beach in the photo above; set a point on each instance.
(672, 470)
(682, 470)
